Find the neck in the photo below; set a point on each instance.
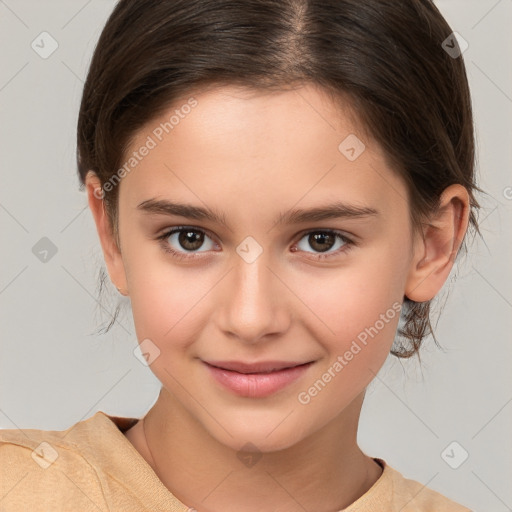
(327, 468)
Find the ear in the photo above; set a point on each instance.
(436, 247)
(111, 251)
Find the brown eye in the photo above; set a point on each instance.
(322, 241)
(190, 240)
(183, 241)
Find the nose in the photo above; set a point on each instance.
(253, 301)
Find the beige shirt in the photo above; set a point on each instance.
(92, 466)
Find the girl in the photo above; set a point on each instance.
(280, 188)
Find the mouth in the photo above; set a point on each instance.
(256, 380)
(255, 368)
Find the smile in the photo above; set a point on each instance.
(256, 380)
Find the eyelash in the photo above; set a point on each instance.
(184, 256)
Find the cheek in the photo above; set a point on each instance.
(168, 301)
(164, 304)
(360, 309)
(362, 324)
(158, 295)
(348, 300)
(364, 329)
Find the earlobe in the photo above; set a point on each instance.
(111, 251)
(436, 248)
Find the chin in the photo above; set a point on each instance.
(258, 436)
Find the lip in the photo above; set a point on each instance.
(256, 380)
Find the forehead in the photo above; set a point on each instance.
(261, 149)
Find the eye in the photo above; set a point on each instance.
(188, 238)
(323, 241)
(183, 242)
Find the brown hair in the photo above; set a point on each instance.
(386, 56)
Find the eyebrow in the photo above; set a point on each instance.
(336, 210)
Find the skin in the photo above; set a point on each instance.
(252, 156)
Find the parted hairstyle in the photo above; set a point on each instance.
(387, 57)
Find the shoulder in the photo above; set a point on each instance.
(409, 495)
(91, 466)
(43, 469)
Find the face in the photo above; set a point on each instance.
(266, 285)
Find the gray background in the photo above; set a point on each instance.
(54, 369)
